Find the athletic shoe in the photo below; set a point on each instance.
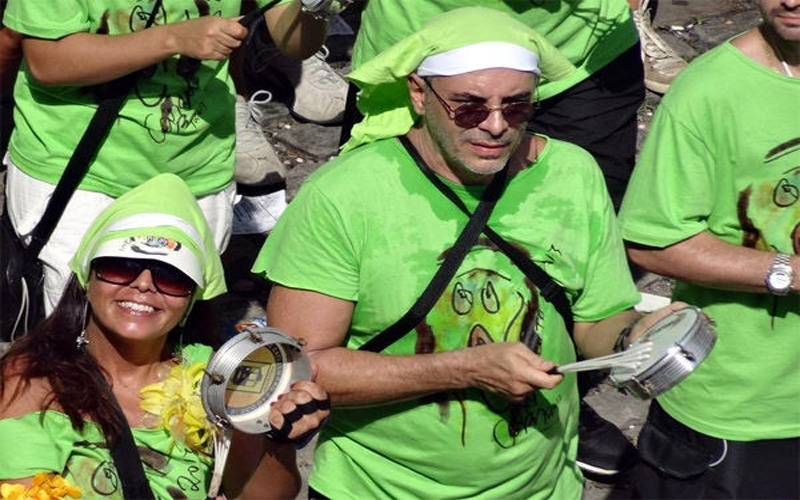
(258, 214)
(311, 89)
(257, 163)
(603, 450)
(320, 93)
(661, 63)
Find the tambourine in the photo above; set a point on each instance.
(675, 345)
(248, 373)
(242, 379)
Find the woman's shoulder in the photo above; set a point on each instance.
(22, 396)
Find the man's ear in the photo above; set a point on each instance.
(416, 91)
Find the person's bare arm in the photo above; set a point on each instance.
(706, 260)
(10, 57)
(89, 59)
(261, 468)
(18, 399)
(258, 468)
(598, 338)
(295, 32)
(360, 378)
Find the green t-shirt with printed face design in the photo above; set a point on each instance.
(590, 33)
(728, 162)
(369, 227)
(167, 124)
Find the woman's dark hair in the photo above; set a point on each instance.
(49, 351)
(79, 387)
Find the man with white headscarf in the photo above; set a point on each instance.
(462, 404)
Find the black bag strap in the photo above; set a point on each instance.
(79, 162)
(125, 454)
(129, 465)
(550, 290)
(469, 235)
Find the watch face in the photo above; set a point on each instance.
(779, 281)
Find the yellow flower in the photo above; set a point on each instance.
(43, 487)
(177, 404)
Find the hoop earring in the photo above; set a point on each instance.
(81, 342)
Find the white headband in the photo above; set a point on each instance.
(181, 257)
(480, 56)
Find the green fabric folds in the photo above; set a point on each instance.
(383, 98)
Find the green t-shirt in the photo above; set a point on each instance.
(369, 227)
(167, 123)
(728, 162)
(590, 33)
(52, 445)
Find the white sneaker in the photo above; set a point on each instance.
(256, 159)
(661, 63)
(320, 93)
(258, 214)
(313, 91)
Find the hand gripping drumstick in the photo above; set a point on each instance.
(628, 359)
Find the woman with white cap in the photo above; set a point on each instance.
(115, 342)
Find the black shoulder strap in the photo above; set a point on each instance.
(469, 235)
(129, 466)
(124, 452)
(84, 152)
(550, 290)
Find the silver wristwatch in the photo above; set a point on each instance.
(324, 9)
(780, 275)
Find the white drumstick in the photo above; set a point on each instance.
(222, 446)
(630, 358)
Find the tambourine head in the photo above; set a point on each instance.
(679, 343)
(248, 373)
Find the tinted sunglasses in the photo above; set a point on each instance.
(472, 114)
(122, 271)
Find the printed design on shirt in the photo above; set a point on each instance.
(91, 474)
(99, 477)
(769, 211)
(169, 87)
(189, 478)
(489, 300)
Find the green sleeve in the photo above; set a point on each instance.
(31, 446)
(323, 246)
(54, 21)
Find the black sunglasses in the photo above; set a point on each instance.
(122, 271)
(472, 114)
